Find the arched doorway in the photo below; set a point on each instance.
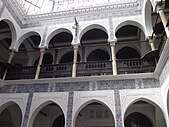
(127, 53)
(98, 55)
(93, 115)
(68, 57)
(144, 113)
(50, 116)
(11, 116)
(137, 119)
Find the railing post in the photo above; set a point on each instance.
(113, 56)
(11, 54)
(75, 48)
(42, 52)
(151, 41)
(163, 19)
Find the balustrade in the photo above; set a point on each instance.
(162, 43)
(94, 68)
(56, 71)
(83, 69)
(135, 66)
(15, 73)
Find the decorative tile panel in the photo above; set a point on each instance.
(27, 112)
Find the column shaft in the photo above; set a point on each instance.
(42, 52)
(75, 47)
(151, 42)
(113, 55)
(11, 54)
(163, 19)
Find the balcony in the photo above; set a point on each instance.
(146, 64)
(83, 69)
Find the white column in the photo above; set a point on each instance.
(11, 54)
(163, 19)
(113, 56)
(75, 48)
(42, 52)
(151, 42)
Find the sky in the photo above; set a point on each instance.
(46, 6)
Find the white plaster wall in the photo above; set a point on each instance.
(82, 98)
(19, 98)
(42, 99)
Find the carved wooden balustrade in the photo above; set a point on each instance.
(94, 68)
(131, 66)
(56, 71)
(27, 72)
(162, 43)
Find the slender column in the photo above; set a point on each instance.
(11, 54)
(42, 52)
(113, 56)
(151, 42)
(75, 48)
(163, 19)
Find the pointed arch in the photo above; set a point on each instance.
(11, 114)
(86, 104)
(39, 108)
(148, 113)
(25, 36)
(90, 27)
(55, 32)
(131, 23)
(68, 57)
(98, 55)
(128, 52)
(13, 31)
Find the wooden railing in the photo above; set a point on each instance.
(162, 43)
(83, 69)
(56, 71)
(15, 73)
(135, 66)
(94, 68)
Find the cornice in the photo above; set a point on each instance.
(130, 8)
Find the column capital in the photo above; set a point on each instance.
(42, 49)
(158, 8)
(12, 51)
(112, 42)
(151, 39)
(75, 46)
